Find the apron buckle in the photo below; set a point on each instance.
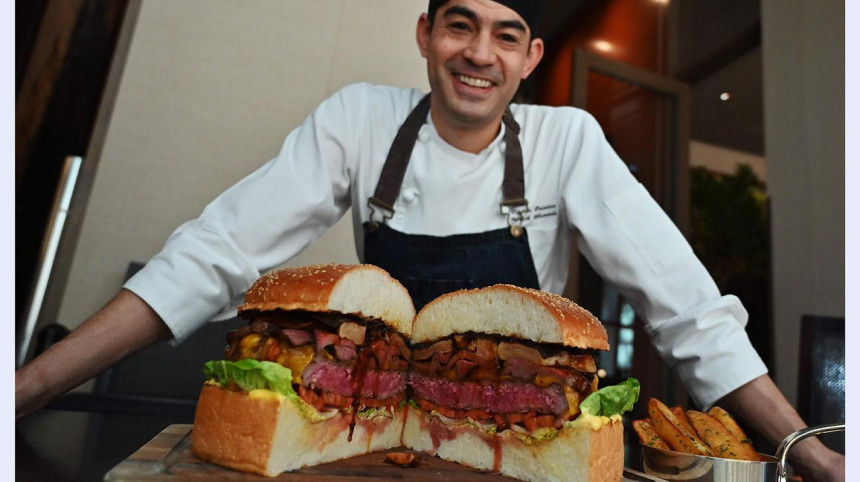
(373, 225)
(516, 230)
(514, 209)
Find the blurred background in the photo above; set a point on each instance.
(731, 112)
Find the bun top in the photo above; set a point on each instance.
(510, 311)
(363, 290)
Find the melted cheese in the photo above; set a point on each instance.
(596, 422)
(248, 346)
(264, 394)
(572, 400)
(296, 359)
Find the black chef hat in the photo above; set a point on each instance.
(530, 10)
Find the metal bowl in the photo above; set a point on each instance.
(671, 465)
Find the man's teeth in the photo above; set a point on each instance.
(473, 82)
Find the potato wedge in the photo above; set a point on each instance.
(681, 415)
(729, 422)
(673, 433)
(732, 427)
(722, 444)
(647, 435)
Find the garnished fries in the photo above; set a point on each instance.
(729, 422)
(681, 415)
(648, 435)
(734, 429)
(714, 433)
(673, 433)
(718, 439)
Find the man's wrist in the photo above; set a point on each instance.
(31, 389)
(812, 454)
(25, 393)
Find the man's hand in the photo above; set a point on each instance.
(762, 406)
(125, 325)
(828, 467)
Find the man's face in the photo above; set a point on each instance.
(477, 53)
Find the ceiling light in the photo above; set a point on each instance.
(725, 96)
(662, 2)
(603, 46)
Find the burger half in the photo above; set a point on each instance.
(319, 373)
(504, 379)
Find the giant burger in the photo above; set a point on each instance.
(318, 374)
(504, 379)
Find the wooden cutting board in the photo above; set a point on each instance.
(168, 457)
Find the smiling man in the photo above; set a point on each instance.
(477, 54)
(454, 189)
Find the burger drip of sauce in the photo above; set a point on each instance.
(501, 380)
(439, 432)
(496, 444)
(330, 355)
(384, 355)
(361, 371)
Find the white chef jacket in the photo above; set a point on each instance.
(573, 181)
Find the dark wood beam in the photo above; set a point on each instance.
(55, 113)
(731, 51)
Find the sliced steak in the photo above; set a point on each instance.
(325, 338)
(520, 369)
(345, 350)
(233, 336)
(380, 384)
(296, 337)
(504, 397)
(445, 345)
(263, 327)
(330, 376)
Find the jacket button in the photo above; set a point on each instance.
(409, 196)
(423, 136)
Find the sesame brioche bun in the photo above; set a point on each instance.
(266, 433)
(509, 310)
(363, 290)
(267, 436)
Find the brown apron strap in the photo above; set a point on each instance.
(514, 184)
(394, 170)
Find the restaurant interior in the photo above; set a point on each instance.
(132, 114)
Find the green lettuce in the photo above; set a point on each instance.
(612, 400)
(485, 427)
(375, 413)
(545, 433)
(251, 374)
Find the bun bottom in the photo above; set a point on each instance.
(268, 437)
(576, 454)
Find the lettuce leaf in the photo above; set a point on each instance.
(612, 400)
(468, 421)
(545, 433)
(251, 374)
(375, 413)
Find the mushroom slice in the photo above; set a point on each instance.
(352, 331)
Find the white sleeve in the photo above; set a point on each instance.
(257, 224)
(633, 244)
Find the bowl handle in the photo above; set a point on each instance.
(788, 442)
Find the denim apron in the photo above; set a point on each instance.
(429, 266)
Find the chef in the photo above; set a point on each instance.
(453, 189)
